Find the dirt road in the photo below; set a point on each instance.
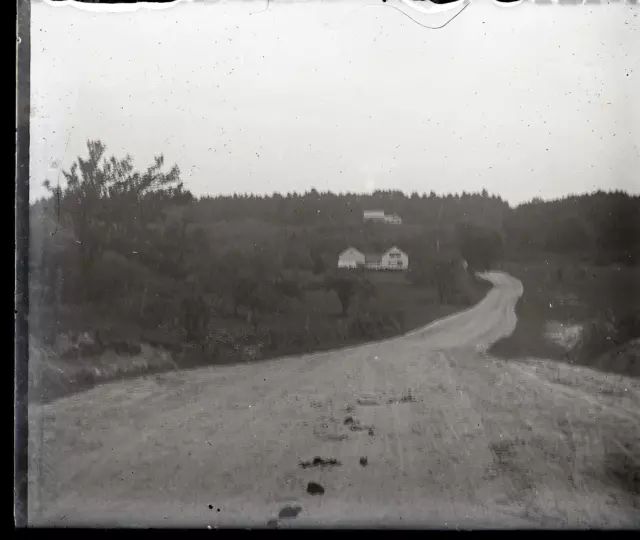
(425, 430)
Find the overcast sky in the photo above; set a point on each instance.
(525, 101)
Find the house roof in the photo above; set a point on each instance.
(350, 248)
(371, 257)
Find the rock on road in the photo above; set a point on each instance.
(223, 446)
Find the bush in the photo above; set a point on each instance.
(628, 327)
(597, 337)
(420, 277)
(604, 334)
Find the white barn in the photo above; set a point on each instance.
(351, 258)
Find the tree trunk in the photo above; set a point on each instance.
(143, 302)
(254, 320)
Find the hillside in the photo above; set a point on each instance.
(576, 314)
(135, 262)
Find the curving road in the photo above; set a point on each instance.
(431, 413)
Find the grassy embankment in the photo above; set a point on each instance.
(583, 315)
(571, 321)
(309, 325)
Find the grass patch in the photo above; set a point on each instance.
(565, 450)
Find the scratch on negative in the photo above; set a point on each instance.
(262, 11)
(417, 22)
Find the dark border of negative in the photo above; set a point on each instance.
(21, 300)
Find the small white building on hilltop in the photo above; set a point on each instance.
(393, 219)
(373, 215)
(378, 216)
(392, 259)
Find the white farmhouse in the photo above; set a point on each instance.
(351, 258)
(394, 259)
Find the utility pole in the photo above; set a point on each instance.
(438, 229)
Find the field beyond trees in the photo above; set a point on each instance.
(129, 273)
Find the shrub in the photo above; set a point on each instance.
(606, 333)
(596, 338)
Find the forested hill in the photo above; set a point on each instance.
(601, 228)
(314, 208)
(128, 211)
(597, 228)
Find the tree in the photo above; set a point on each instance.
(319, 266)
(105, 202)
(289, 288)
(444, 279)
(252, 281)
(480, 246)
(228, 278)
(347, 286)
(195, 315)
(296, 257)
(567, 236)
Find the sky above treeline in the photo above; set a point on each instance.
(526, 101)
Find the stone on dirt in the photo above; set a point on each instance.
(314, 488)
(290, 511)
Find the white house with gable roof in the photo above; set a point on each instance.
(351, 258)
(392, 259)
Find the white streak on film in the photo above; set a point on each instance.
(434, 8)
(116, 8)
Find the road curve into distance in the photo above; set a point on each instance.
(411, 423)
